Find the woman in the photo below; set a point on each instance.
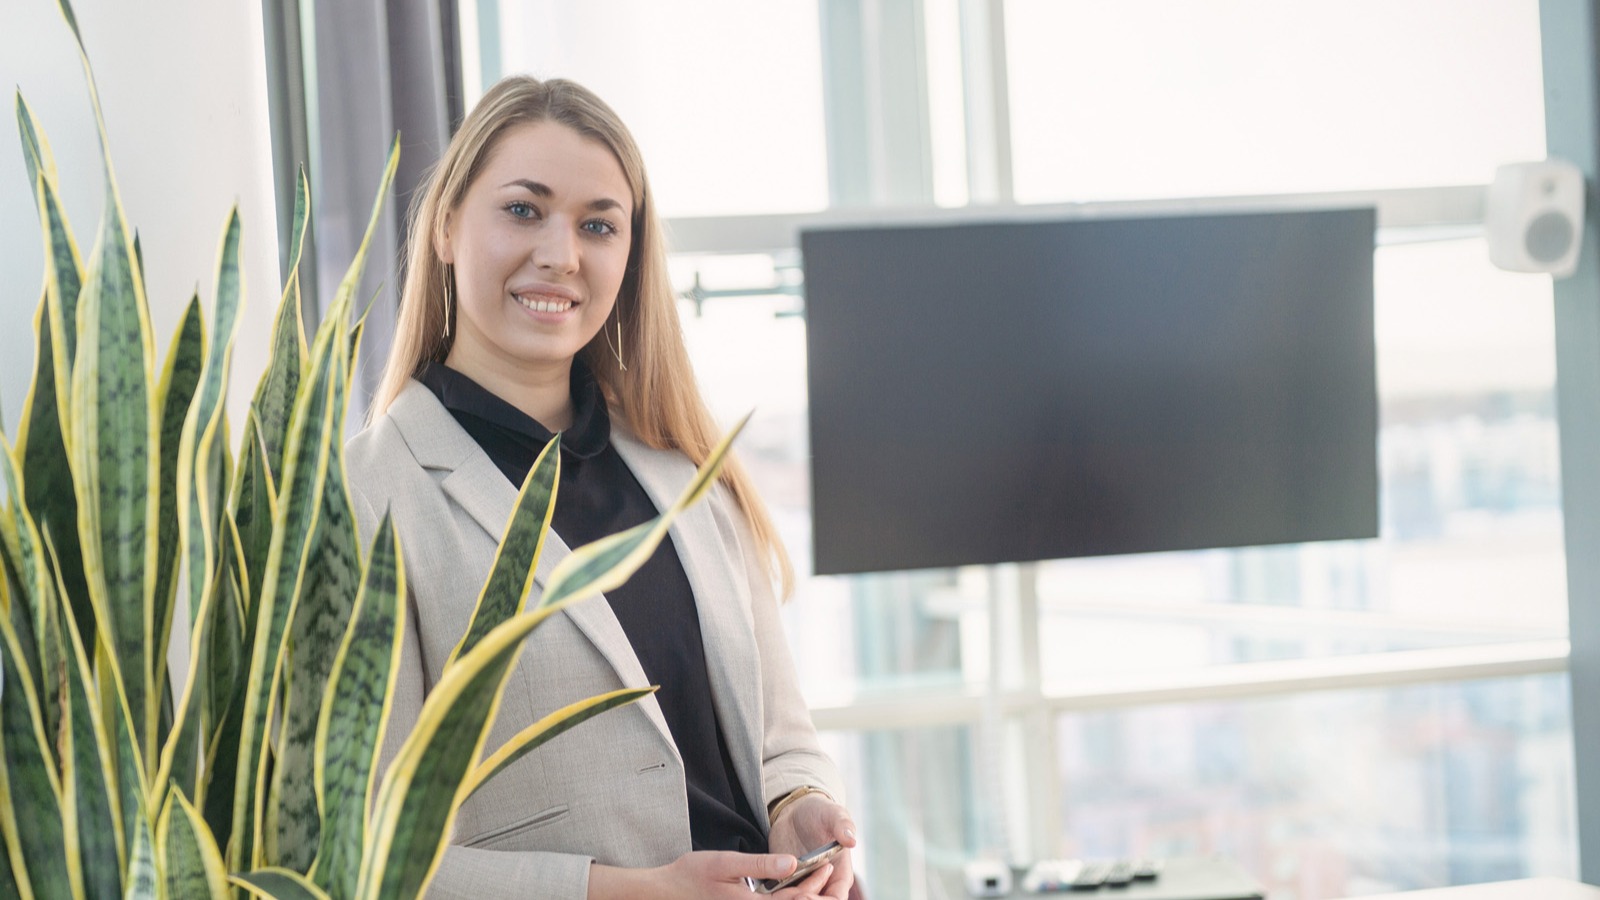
(537, 301)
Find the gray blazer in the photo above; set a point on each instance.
(611, 790)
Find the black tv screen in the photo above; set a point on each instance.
(1027, 390)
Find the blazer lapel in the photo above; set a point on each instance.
(726, 629)
(480, 488)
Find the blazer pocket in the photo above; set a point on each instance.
(495, 836)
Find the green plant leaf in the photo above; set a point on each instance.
(275, 392)
(539, 733)
(31, 782)
(278, 884)
(188, 853)
(356, 331)
(329, 582)
(297, 229)
(42, 451)
(144, 875)
(35, 147)
(89, 793)
(221, 787)
(126, 760)
(46, 482)
(62, 260)
(45, 443)
(10, 552)
(180, 756)
(179, 377)
(202, 484)
(72, 22)
(255, 498)
(424, 785)
(355, 713)
(517, 558)
(342, 299)
(138, 255)
(88, 780)
(13, 865)
(427, 780)
(9, 885)
(200, 475)
(300, 503)
(223, 657)
(113, 433)
(224, 691)
(42, 653)
(112, 442)
(607, 563)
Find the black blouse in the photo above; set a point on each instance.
(598, 496)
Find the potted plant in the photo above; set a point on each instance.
(255, 770)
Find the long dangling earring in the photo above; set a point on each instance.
(449, 297)
(617, 350)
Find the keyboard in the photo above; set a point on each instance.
(1063, 875)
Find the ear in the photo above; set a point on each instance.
(442, 245)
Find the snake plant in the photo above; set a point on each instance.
(255, 770)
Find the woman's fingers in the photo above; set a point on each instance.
(810, 888)
(816, 820)
(730, 866)
(721, 873)
(838, 887)
(841, 826)
(758, 866)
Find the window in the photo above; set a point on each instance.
(1334, 794)
(981, 709)
(1173, 98)
(673, 72)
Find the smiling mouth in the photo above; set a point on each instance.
(543, 304)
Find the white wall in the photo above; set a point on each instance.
(183, 84)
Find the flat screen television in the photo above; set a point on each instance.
(1027, 390)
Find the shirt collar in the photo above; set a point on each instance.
(588, 434)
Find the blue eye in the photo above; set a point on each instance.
(521, 210)
(600, 227)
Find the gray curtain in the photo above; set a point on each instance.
(344, 79)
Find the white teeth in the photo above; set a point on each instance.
(544, 305)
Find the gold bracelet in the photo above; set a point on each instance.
(789, 798)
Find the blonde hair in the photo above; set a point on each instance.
(656, 396)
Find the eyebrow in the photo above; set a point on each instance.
(543, 190)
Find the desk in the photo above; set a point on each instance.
(1212, 878)
(1182, 878)
(1522, 889)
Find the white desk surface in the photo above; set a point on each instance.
(1523, 889)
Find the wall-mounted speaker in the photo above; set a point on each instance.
(1534, 221)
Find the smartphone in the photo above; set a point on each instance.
(812, 861)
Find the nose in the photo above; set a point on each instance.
(556, 248)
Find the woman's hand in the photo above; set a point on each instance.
(810, 822)
(706, 875)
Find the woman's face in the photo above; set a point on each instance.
(539, 244)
